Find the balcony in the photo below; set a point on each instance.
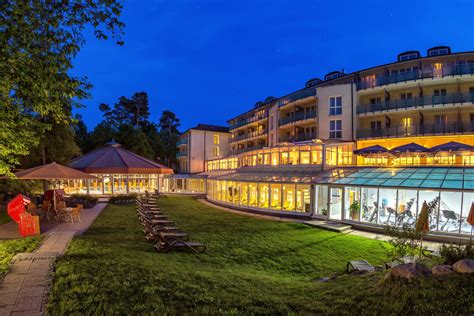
(182, 142)
(243, 150)
(300, 137)
(250, 135)
(298, 95)
(181, 154)
(297, 116)
(432, 100)
(426, 73)
(249, 120)
(451, 128)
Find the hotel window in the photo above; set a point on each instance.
(216, 139)
(335, 105)
(406, 96)
(441, 119)
(406, 121)
(271, 122)
(437, 69)
(439, 92)
(215, 151)
(439, 51)
(335, 129)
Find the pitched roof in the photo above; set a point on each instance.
(115, 159)
(210, 128)
(52, 171)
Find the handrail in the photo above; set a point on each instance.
(249, 120)
(432, 100)
(425, 73)
(417, 130)
(297, 138)
(249, 135)
(297, 116)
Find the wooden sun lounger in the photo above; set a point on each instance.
(359, 265)
(160, 222)
(173, 235)
(169, 244)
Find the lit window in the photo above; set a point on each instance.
(215, 151)
(335, 129)
(216, 139)
(335, 105)
(406, 121)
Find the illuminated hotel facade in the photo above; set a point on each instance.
(365, 148)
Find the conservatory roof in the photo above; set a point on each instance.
(427, 178)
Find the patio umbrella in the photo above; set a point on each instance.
(411, 147)
(470, 218)
(422, 224)
(52, 171)
(452, 146)
(371, 150)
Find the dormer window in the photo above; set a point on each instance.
(408, 56)
(333, 75)
(440, 50)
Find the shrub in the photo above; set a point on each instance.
(85, 197)
(123, 198)
(453, 253)
(406, 243)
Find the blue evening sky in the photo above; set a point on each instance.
(209, 60)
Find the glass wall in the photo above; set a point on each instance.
(303, 198)
(275, 196)
(396, 207)
(289, 198)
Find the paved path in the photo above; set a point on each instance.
(25, 288)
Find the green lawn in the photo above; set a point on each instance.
(9, 248)
(252, 266)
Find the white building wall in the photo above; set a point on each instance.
(349, 100)
(201, 148)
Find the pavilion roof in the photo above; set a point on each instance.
(115, 159)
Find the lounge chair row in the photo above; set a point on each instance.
(159, 229)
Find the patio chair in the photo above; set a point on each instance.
(359, 265)
(170, 244)
(76, 213)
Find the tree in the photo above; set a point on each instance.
(38, 41)
(81, 135)
(134, 111)
(57, 144)
(169, 135)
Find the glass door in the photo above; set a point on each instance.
(335, 203)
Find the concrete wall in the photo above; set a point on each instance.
(273, 117)
(201, 148)
(349, 99)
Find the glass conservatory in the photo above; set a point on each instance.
(394, 196)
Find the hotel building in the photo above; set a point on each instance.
(366, 148)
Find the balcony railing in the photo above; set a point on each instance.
(450, 98)
(181, 154)
(243, 150)
(418, 130)
(425, 73)
(300, 137)
(298, 95)
(249, 135)
(249, 120)
(181, 142)
(297, 116)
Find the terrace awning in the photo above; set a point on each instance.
(411, 147)
(371, 150)
(452, 146)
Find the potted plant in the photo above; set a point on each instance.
(354, 210)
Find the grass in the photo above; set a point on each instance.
(252, 266)
(9, 248)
